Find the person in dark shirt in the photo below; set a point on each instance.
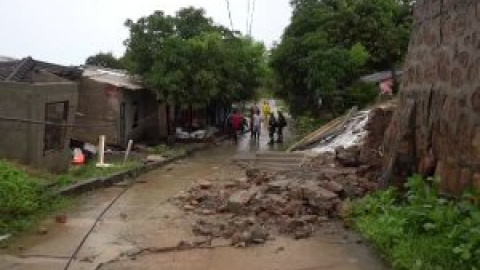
(282, 122)
(272, 125)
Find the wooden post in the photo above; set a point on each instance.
(129, 148)
(101, 149)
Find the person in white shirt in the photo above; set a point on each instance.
(256, 125)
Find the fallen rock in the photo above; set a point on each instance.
(239, 199)
(188, 207)
(61, 218)
(303, 232)
(348, 157)
(184, 245)
(259, 234)
(205, 184)
(42, 230)
(241, 237)
(278, 185)
(333, 186)
(155, 158)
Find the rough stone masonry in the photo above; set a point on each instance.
(436, 129)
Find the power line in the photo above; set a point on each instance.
(252, 17)
(95, 223)
(248, 16)
(229, 14)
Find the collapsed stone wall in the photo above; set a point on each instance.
(436, 128)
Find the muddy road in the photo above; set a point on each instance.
(143, 228)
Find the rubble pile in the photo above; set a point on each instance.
(296, 202)
(249, 210)
(371, 151)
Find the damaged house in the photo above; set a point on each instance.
(38, 102)
(114, 104)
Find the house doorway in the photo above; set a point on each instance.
(123, 124)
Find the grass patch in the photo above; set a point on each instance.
(23, 200)
(89, 170)
(420, 229)
(169, 152)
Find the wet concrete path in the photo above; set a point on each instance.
(143, 218)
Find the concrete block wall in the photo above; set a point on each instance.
(97, 114)
(436, 130)
(14, 136)
(24, 141)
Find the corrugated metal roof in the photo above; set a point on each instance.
(379, 76)
(118, 78)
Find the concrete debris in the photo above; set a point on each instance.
(296, 202)
(205, 184)
(348, 158)
(239, 199)
(61, 218)
(155, 158)
(42, 230)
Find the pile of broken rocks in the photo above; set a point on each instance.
(250, 210)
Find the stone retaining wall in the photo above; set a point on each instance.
(436, 129)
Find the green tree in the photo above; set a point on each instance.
(188, 59)
(106, 60)
(330, 43)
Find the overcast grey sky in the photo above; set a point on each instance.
(68, 31)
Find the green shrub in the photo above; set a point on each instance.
(305, 125)
(420, 229)
(22, 199)
(361, 95)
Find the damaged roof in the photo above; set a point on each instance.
(6, 58)
(21, 70)
(115, 77)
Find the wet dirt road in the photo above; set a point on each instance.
(142, 229)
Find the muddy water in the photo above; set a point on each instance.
(144, 218)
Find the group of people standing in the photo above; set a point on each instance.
(275, 124)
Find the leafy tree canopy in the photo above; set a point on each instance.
(329, 43)
(188, 59)
(106, 60)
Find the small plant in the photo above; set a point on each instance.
(420, 229)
